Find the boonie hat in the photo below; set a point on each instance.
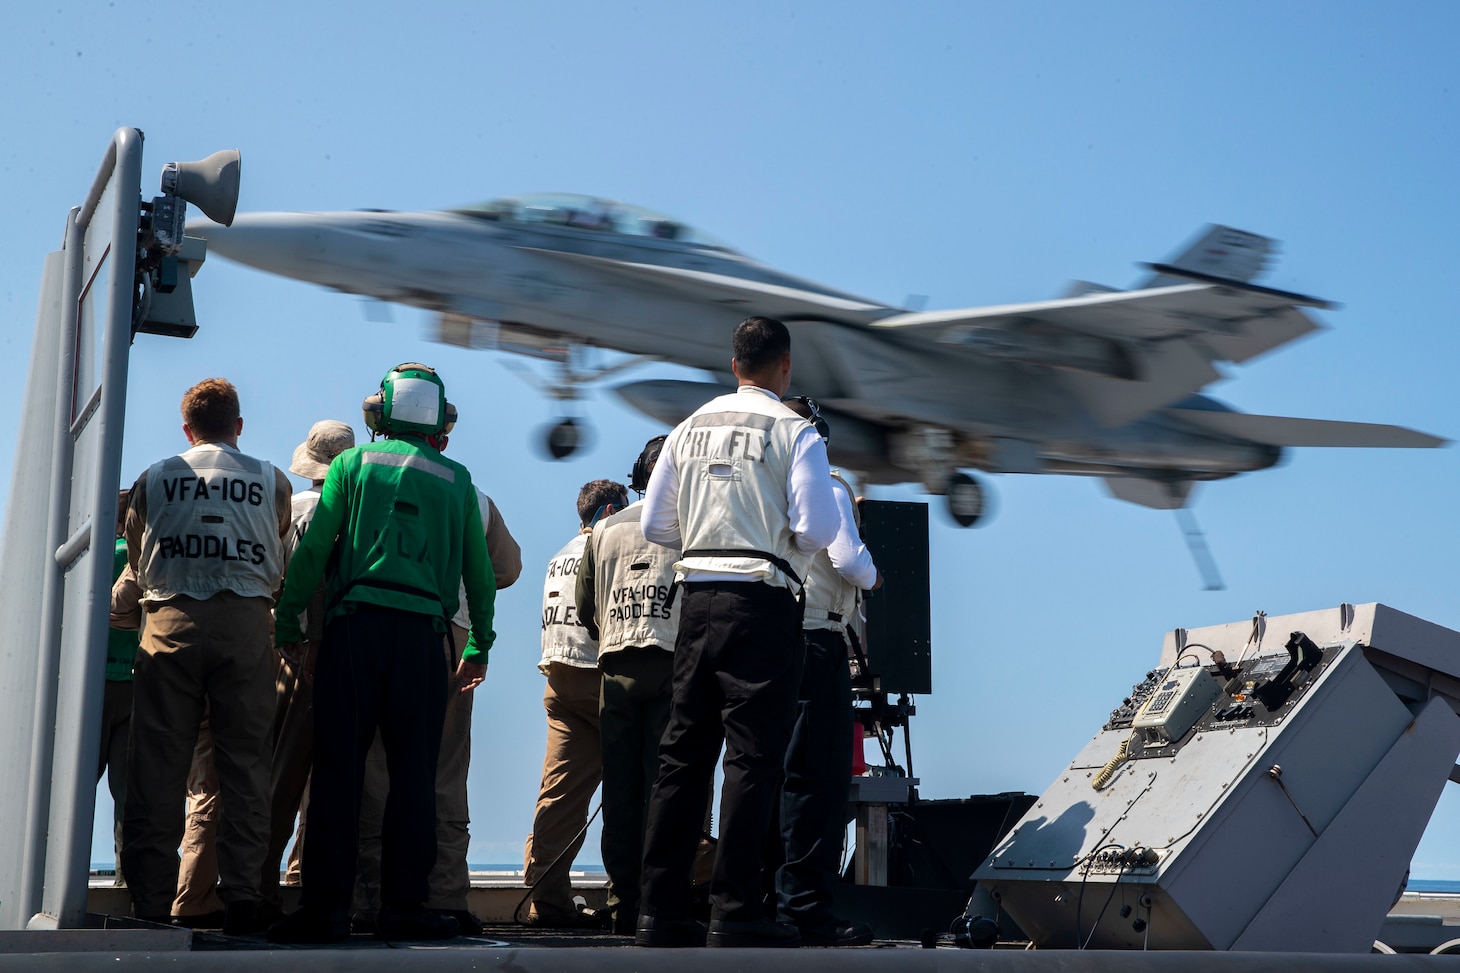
(327, 439)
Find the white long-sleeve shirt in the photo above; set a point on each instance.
(848, 554)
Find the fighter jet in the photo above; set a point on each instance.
(1100, 382)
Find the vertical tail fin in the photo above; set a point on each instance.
(1219, 251)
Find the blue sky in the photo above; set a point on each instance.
(975, 153)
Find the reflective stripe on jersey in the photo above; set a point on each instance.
(411, 462)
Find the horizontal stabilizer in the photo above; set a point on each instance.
(1290, 431)
(1293, 298)
(1156, 494)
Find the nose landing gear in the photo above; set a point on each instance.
(967, 502)
(575, 369)
(563, 438)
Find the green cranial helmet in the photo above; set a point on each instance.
(411, 400)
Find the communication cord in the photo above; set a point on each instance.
(1108, 771)
(1088, 861)
(517, 912)
(1096, 924)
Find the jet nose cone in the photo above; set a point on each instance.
(280, 243)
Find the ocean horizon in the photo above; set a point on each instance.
(591, 868)
(1430, 885)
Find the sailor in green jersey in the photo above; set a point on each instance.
(399, 527)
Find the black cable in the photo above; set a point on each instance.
(1096, 924)
(1088, 861)
(884, 740)
(517, 912)
(906, 732)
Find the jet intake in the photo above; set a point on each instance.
(667, 400)
(520, 339)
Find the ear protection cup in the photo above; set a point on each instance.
(644, 465)
(373, 409)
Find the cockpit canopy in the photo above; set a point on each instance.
(589, 213)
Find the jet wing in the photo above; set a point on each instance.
(773, 300)
(1290, 431)
(1126, 353)
(1238, 323)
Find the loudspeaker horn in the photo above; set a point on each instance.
(210, 184)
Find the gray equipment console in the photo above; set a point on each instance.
(1263, 788)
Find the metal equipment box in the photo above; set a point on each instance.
(1282, 818)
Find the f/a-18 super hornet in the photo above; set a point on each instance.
(1100, 382)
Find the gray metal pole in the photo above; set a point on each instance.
(83, 647)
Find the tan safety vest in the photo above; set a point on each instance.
(564, 638)
(733, 456)
(831, 601)
(632, 578)
(211, 526)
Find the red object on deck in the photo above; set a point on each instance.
(859, 759)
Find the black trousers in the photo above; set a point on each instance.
(737, 669)
(633, 711)
(818, 778)
(383, 668)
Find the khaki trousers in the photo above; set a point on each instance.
(571, 771)
(212, 653)
(450, 878)
(289, 791)
(197, 873)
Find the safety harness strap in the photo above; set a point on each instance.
(779, 562)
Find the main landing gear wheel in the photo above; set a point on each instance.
(564, 438)
(966, 500)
